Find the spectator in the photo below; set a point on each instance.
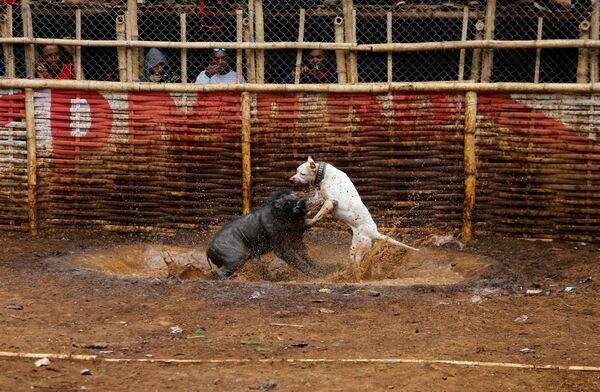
(109, 76)
(318, 69)
(579, 5)
(219, 69)
(52, 64)
(156, 68)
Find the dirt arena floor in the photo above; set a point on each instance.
(495, 315)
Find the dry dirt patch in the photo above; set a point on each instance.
(76, 289)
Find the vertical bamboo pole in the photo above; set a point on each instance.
(594, 34)
(353, 54)
(77, 59)
(133, 62)
(249, 37)
(31, 162)
(350, 37)
(538, 51)
(298, 69)
(470, 167)
(490, 27)
(248, 52)
(390, 73)
(259, 32)
(476, 61)
(183, 33)
(246, 161)
(28, 33)
(463, 38)
(340, 55)
(583, 65)
(7, 31)
(239, 20)
(121, 51)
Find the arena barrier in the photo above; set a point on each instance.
(519, 164)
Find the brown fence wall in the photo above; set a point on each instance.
(150, 161)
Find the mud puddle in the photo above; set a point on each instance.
(389, 265)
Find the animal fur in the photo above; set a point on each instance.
(279, 226)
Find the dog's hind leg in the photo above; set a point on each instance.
(384, 237)
(361, 244)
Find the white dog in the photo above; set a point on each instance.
(342, 199)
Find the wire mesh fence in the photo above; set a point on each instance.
(362, 22)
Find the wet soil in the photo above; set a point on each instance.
(448, 318)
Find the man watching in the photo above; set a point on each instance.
(316, 70)
(52, 65)
(218, 70)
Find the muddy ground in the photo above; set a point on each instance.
(106, 304)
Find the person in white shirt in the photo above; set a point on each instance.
(219, 70)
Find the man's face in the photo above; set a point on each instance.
(317, 58)
(51, 56)
(221, 59)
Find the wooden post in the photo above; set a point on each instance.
(340, 55)
(121, 51)
(259, 37)
(353, 54)
(28, 33)
(463, 38)
(183, 33)
(246, 161)
(488, 54)
(31, 161)
(249, 52)
(77, 59)
(594, 34)
(476, 62)
(538, 51)
(239, 28)
(133, 62)
(390, 63)
(249, 37)
(347, 9)
(470, 167)
(298, 69)
(7, 31)
(583, 65)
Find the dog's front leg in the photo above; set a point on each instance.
(327, 208)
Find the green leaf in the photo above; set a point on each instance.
(201, 331)
(262, 349)
(253, 342)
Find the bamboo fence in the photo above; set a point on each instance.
(463, 156)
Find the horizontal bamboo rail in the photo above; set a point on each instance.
(481, 44)
(384, 47)
(378, 88)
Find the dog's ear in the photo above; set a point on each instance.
(311, 162)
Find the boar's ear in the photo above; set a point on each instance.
(279, 203)
(311, 162)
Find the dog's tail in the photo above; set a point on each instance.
(393, 241)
